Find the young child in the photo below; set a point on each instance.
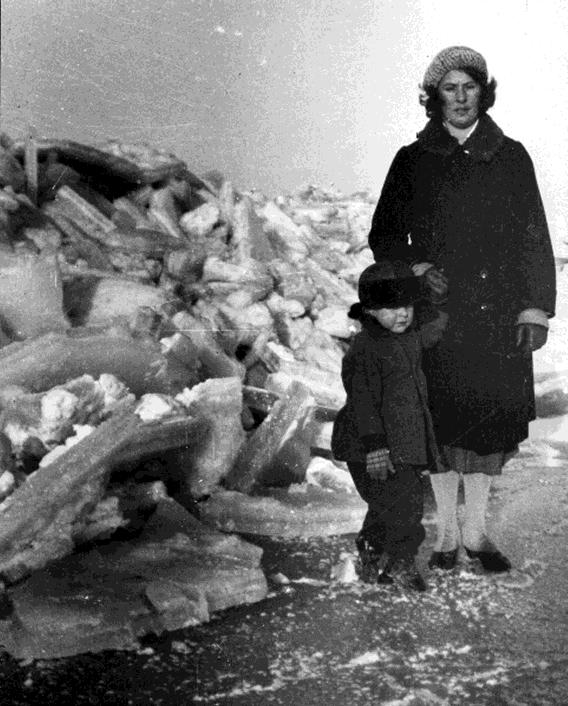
(384, 431)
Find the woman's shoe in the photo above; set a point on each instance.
(491, 559)
(444, 560)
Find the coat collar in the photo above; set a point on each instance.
(481, 145)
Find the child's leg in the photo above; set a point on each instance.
(372, 531)
(404, 531)
(402, 512)
(370, 539)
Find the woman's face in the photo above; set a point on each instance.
(396, 320)
(460, 96)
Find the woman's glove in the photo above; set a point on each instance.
(531, 337)
(434, 283)
(379, 464)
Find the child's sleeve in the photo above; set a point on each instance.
(366, 392)
(432, 323)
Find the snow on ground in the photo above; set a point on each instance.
(473, 638)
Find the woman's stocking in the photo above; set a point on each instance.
(445, 487)
(476, 488)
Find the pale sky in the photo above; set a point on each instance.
(280, 93)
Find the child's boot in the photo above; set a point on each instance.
(407, 574)
(368, 560)
(384, 568)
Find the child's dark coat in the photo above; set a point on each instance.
(386, 405)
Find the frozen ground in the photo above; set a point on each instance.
(472, 639)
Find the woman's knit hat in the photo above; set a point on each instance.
(453, 58)
(386, 284)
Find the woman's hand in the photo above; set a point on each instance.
(434, 282)
(531, 337)
(379, 464)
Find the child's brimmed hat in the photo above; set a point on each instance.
(388, 284)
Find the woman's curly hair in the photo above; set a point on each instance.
(431, 101)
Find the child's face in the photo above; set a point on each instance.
(396, 320)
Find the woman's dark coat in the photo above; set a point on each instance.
(475, 211)
(386, 404)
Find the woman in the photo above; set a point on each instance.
(461, 205)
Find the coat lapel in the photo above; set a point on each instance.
(481, 145)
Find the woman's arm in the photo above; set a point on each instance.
(432, 328)
(538, 274)
(391, 224)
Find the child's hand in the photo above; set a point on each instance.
(379, 464)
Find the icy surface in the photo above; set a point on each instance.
(472, 638)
